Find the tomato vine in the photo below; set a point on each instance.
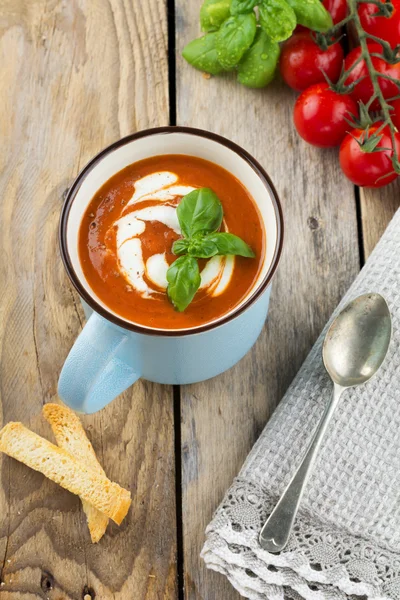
(389, 55)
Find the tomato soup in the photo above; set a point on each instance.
(130, 225)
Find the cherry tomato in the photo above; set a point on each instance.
(337, 9)
(302, 61)
(387, 28)
(395, 114)
(370, 169)
(364, 89)
(319, 115)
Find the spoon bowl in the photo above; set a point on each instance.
(356, 343)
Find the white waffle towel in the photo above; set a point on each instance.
(346, 541)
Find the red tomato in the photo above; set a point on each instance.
(319, 115)
(370, 169)
(395, 114)
(364, 90)
(386, 28)
(337, 9)
(302, 61)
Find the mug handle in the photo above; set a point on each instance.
(95, 371)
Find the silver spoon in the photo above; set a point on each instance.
(355, 347)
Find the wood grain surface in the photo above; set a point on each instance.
(222, 418)
(377, 208)
(74, 77)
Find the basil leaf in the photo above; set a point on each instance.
(235, 36)
(227, 243)
(213, 13)
(277, 19)
(312, 14)
(258, 65)
(180, 246)
(184, 280)
(202, 248)
(202, 54)
(239, 7)
(199, 211)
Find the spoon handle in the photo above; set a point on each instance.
(276, 531)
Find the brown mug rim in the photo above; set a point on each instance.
(119, 321)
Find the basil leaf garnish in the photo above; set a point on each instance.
(258, 66)
(239, 7)
(228, 243)
(277, 19)
(184, 280)
(213, 13)
(199, 211)
(202, 248)
(200, 216)
(202, 54)
(181, 246)
(234, 37)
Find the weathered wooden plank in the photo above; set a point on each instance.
(74, 77)
(222, 418)
(377, 208)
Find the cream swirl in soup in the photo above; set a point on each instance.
(155, 199)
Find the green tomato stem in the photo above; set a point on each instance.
(341, 24)
(389, 78)
(346, 73)
(370, 101)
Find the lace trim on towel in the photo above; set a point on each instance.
(319, 563)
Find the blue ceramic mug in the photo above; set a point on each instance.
(111, 353)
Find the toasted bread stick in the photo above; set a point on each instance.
(71, 436)
(62, 467)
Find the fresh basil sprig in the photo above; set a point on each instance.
(200, 216)
(234, 37)
(239, 7)
(213, 13)
(201, 53)
(257, 67)
(245, 35)
(277, 19)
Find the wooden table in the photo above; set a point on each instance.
(75, 76)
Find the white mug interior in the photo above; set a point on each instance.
(173, 142)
